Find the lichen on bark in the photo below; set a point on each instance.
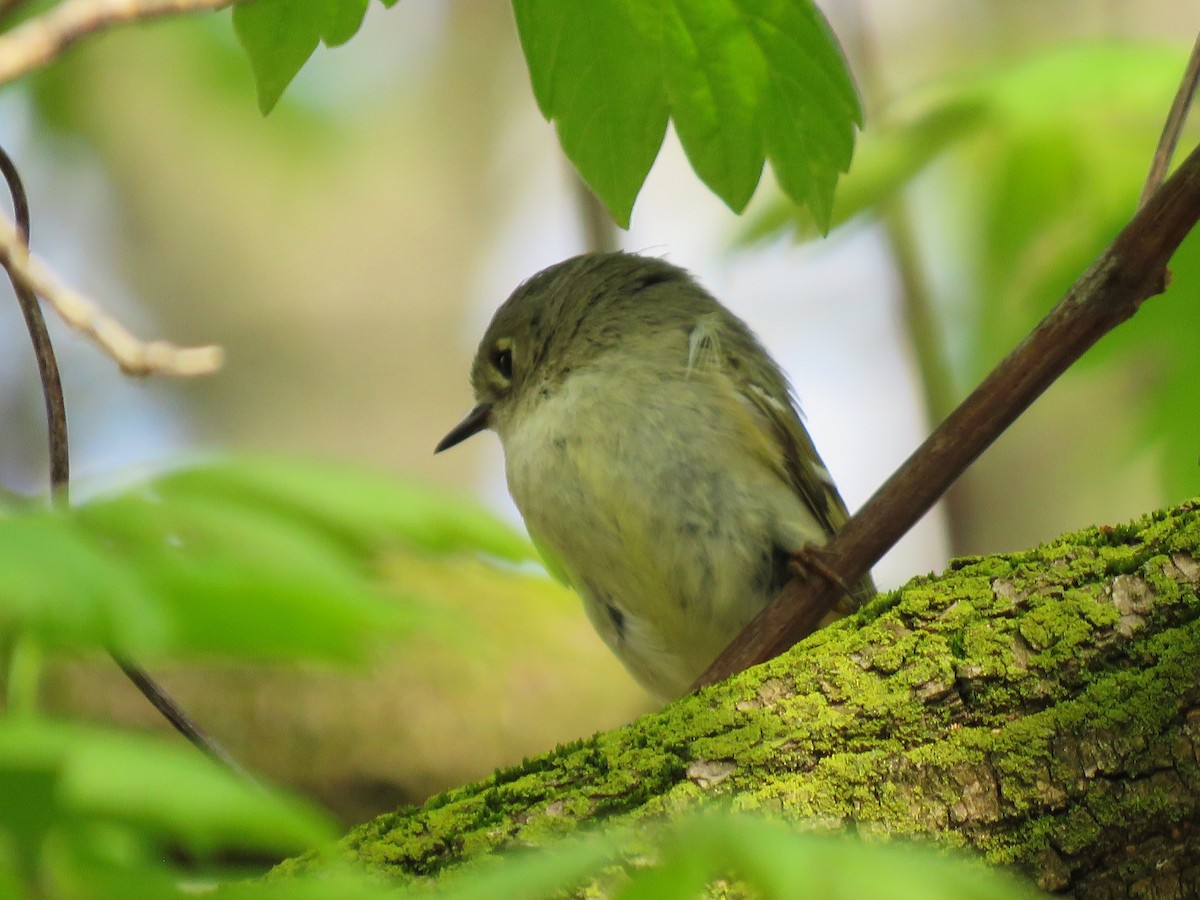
(1042, 707)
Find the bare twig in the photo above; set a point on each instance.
(56, 417)
(174, 713)
(1174, 125)
(133, 356)
(43, 350)
(1131, 270)
(39, 41)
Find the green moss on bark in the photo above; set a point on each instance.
(1042, 707)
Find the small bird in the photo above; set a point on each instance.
(656, 453)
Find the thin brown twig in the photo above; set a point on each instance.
(1130, 271)
(39, 41)
(60, 472)
(133, 356)
(43, 349)
(1173, 127)
(179, 719)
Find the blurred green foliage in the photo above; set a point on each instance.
(718, 854)
(265, 558)
(1038, 165)
(77, 796)
(1033, 169)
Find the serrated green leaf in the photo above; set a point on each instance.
(715, 78)
(596, 76)
(743, 82)
(279, 36)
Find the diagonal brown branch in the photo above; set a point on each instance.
(1131, 270)
(39, 41)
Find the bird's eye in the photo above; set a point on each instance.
(502, 360)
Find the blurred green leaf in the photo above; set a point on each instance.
(759, 857)
(774, 861)
(279, 36)
(887, 159)
(743, 82)
(363, 510)
(330, 885)
(1053, 184)
(236, 579)
(545, 873)
(266, 558)
(65, 589)
(56, 776)
(1043, 162)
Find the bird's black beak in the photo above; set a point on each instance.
(476, 420)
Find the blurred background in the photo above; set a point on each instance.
(348, 250)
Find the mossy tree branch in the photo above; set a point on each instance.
(1042, 707)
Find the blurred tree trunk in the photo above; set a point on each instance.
(1041, 707)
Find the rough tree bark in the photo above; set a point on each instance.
(1041, 707)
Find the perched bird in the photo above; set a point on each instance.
(656, 454)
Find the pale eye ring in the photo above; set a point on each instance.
(503, 361)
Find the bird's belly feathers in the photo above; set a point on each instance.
(671, 537)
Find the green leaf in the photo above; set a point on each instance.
(56, 775)
(775, 861)
(335, 884)
(545, 873)
(596, 77)
(364, 511)
(280, 35)
(888, 157)
(267, 558)
(65, 589)
(743, 82)
(714, 76)
(1042, 163)
(753, 855)
(345, 18)
(237, 580)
